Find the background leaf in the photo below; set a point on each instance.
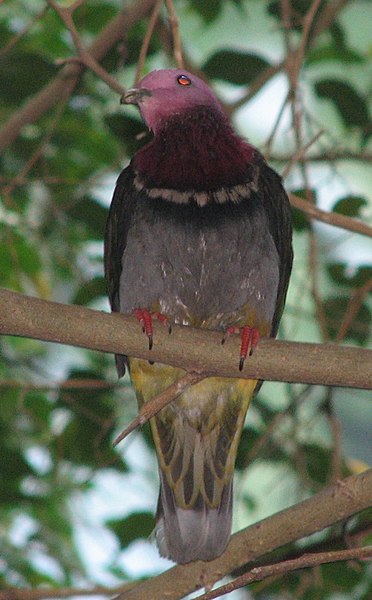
(352, 108)
(235, 66)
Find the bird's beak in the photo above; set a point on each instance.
(134, 96)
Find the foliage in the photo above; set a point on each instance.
(60, 408)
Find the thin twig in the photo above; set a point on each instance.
(147, 39)
(177, 46)
(327, 16)
(316, 295)
(275, 128)
(300, 154)
(257, 84)
(336, 432)
(331, 218)
(84, 56)
(303, 562)
(307, 24)
(352, 310)
(330, 155)
(153, 406)
(69, 76)
(293, 68)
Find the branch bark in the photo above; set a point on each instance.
(303, 562)
(330, 506)
(331, 218)
(196, 350)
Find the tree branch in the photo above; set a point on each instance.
(303, 562)
(84, 56)
(174, 25)
(68, 592)
(330, 506)
(146, 40)
(194, 350)
(331, 218)
(330, 155)
(152, 407)
(68, 77)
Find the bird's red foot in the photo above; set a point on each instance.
(145, 318)
(250, 337)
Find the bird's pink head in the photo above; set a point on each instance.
(164, 93)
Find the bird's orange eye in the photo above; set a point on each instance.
(184, 80)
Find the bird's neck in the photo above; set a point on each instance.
(196, 150)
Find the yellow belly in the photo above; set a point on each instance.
(202, 425)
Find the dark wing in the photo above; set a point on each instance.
(278, 211)
(117, 227)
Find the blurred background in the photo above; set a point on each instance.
(73, 511)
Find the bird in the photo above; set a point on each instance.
(199, 232)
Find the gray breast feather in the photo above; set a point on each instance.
(196, 270)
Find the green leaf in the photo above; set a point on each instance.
(331, 53)
(87, 437)
(248, 439)
(39, 408)
(352, 108)
(91, 214)
(350, 205)
(340, 576)
(338, 35)
(341, 275)
(137, 525)
(95, 288)
(13, 469)
(335, 308)
(135, 41)
(298, 8)
(22, 75)
(318, 462)
(17, 255)
(299, 220)
(93, 18)
(235, 66)
(209, 11)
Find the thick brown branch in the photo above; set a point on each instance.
(194, 350)
(331, 505)
(349, 496)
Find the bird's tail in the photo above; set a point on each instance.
(197, 533)
(196, 458)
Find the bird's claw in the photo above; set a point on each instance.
(145, 318)
(250, 337)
